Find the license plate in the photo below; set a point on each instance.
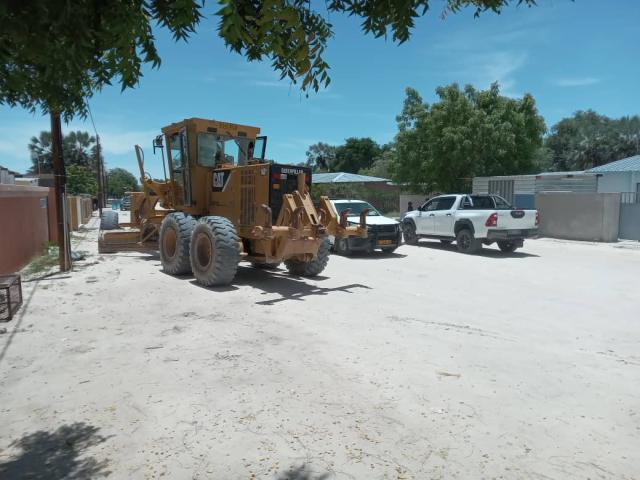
(514, 232)
(385, 242)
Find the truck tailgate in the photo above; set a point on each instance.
(516, 219)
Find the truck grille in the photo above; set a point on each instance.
(384, 228)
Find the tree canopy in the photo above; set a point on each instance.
(78, 148)
(81, 180)
(588, 139)
(355, 154)
(320, 156)
(54, 54)
(466, 133)
(120, 181)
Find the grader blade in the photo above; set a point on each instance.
(130, 240)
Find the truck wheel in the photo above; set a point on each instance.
(315, 266)
(342, 246)
(175, 235)
(215, 251)
(409, 233)
(508, 247)
(466, 242)
(109, 220)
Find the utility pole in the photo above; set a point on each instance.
(100, 169)
(59, 176)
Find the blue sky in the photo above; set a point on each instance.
(569, 55)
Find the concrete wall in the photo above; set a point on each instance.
(630, 221)
(24, 225)
(405, 198)
(522, 184)
(563, 182)
(618, 182)
(579, 216)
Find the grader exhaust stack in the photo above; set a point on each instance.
(224, 203)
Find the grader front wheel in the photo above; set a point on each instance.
(175, 235)
(215, 251)
(315, 266)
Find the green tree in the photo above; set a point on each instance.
(54, 54)
(466, 133)
(381, 166)
(120, 181)
(78, 148)
(320, 156)
(356, 154)
(588, 139)
(81, 180)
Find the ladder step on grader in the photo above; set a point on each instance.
(223, 203)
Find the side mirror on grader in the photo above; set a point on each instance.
(223, 203)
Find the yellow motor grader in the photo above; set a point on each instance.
(223, 203)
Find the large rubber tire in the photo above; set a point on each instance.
(507, 247)
(315, 266)
(109, 220)
(409, 233)
(215, 251)
(341, 246)
(174, 242)
(466, 242)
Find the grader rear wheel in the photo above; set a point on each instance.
(175, 237)
(215, 251)
(315, 266)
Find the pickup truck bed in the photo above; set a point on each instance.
(471, 221)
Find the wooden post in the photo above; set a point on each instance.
(60, 182)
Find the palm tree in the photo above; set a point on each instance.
(77, 149)
(40, 149)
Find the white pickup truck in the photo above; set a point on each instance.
(471, 220)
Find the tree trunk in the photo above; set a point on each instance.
(60, 181)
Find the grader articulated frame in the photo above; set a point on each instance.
(224, 203)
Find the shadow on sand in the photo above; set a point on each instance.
(486, 251)
(289, 287)
(303, 472)
(57, 454)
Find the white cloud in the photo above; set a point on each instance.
(482, 69)
(577, 81)
(271, 83)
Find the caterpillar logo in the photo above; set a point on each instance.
(220, 180)
(291, 171)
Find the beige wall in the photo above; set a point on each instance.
(579, 216)
(24, 225)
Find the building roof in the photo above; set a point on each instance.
(631, 164)
(344, 177)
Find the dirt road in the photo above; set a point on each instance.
(424, 364)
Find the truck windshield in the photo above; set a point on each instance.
(356, 208)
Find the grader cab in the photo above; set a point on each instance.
(224, 203)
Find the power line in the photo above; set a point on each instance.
(101, 174)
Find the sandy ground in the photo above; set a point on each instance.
(425, 364)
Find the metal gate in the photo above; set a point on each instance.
(504, 188)
(629, 216)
